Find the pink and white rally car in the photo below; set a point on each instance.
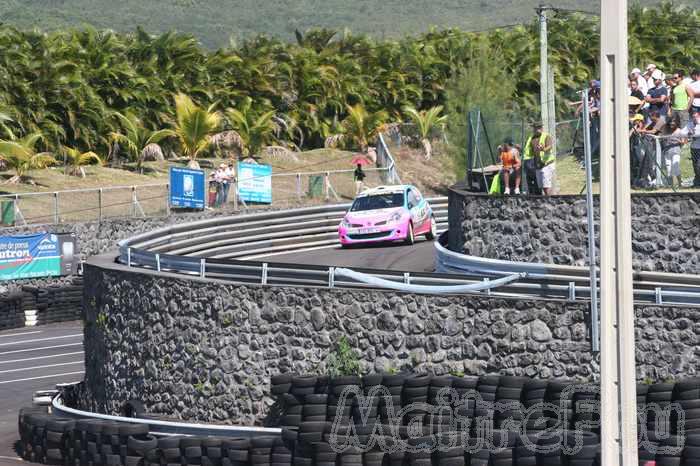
(388, 213)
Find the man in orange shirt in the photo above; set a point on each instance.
(510, 161)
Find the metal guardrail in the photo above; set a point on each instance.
(655, 287)
(160, 427)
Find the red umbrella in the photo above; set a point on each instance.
(360, 159)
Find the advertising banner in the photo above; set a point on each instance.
(38, 255)
(255, 183)
(187, 188)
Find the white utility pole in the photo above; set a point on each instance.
(617, 363)
(547, 89)
(544, 67)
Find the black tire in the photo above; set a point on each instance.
(314, 410)
(410, 238)
(143, 445)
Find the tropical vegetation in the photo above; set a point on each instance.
(137, 95)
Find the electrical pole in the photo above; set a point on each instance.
(544, 67)
(617, 358)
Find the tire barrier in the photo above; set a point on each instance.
(390, 419)
(11, 311)
(55, 303)
(40, 305)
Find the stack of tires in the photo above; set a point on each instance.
(394, 386)
(11, 312)
(483, 412)
(440, 400)
(510, 394)
(560, 393)
(686, 394)
(659, 395)
(415, 394)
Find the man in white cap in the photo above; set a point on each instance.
(648, 75)
(657, 97)
(641, 82)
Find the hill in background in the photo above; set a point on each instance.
(214, 22)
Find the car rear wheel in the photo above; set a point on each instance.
(432, 233)
(410, 239)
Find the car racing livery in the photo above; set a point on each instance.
(387, 213)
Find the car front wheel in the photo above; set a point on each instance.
(410, 239)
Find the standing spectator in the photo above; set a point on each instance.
(636, 106)
(657, 97)
(636, 75)
(692, 131)
(681, 98)
(671, 144)
(359, 177)
(511, 166)
(539, 150)
(220, 179)
(695, 91)
(648, 76)
(227, 177)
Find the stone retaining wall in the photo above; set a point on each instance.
(201, 350)
(665, 229)
(93, 238)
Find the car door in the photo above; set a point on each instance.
(414, 208)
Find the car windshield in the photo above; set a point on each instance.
(378, 201)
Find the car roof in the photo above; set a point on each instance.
(399, 188)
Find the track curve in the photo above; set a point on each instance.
(417, 258)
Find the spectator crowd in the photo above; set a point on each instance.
(666, 106)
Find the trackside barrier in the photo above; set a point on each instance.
(167, 427)
(214, 249)
(654, 287)
(408, 287)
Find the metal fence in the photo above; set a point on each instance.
(83, 205)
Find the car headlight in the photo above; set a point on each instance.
(344, 223)
(395, 217)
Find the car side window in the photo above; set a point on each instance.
(412, 202)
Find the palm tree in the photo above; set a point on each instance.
(255, 130)
(21, 156)
(359, 127)
(425, 121)
(195, 127)
(138, 142)
(75, 161)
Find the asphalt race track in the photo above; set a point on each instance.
(395, 256)
(31, 359)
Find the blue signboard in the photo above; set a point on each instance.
(187, 188)
(255, 183)
(30, 256)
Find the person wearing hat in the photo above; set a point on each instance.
(510, 165)
(540, 157)
(636, 75)
(648, 76)
(657, 97)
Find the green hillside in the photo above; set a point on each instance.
(214, 22)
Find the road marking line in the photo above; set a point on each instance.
(41, 339)
(43, 377)
(42, 367)
(40, 349)
(18, 334)
(42, 357)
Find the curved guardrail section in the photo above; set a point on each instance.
(659, 288)
(233, 249)
(167, 427)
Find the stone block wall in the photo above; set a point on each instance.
(554, 230)
(201, 350)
